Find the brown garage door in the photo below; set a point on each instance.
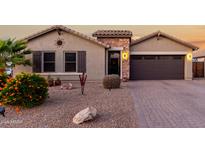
(156, 67)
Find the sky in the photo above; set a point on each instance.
(191, 33)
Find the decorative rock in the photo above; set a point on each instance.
(66, 87)
(70, 86)
(87, 114)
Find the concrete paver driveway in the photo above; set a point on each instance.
(169, 103)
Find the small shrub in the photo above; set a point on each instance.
(111, 81)
(27, 90)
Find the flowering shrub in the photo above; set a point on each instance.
(3, 79)
(27, 90)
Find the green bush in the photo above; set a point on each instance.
(111, 81)
(27, 90)
(3, 80)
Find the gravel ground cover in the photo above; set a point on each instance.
(115, 109)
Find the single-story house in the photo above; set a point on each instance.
(61, 52)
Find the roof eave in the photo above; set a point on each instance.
(198, 56)
(38, 34)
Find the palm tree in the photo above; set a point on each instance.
(13, 51)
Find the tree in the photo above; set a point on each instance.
(13, 51)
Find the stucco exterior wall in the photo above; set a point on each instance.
(165, 46)
(188, 67)
(95, 54)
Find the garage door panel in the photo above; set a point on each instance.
(156, 69)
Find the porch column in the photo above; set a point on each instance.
(125, 63)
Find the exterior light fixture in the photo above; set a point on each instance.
(125, 55)
(189, 56)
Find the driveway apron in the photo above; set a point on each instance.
(168, 104)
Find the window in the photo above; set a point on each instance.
(177, 57)
(49, 62)
(139, 57)
(169, 57)
(149, 57)
(165, 57)
(70, 62)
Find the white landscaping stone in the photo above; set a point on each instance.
(70, 86)
(85, 115)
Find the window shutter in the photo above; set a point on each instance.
(37, 61)
(81, 61)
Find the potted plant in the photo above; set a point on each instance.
(50, 81)
(57, 82)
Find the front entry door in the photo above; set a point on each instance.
(114, 62)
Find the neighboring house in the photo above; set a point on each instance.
(65, 53)
(199, 55)
(199, 64)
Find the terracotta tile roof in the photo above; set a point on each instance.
(63, 28)
(159, 33)
(112, 33)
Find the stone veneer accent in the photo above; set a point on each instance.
(120, 42)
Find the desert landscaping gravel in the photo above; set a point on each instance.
(115, 109)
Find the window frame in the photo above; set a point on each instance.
(76, 61)
(42, 67)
